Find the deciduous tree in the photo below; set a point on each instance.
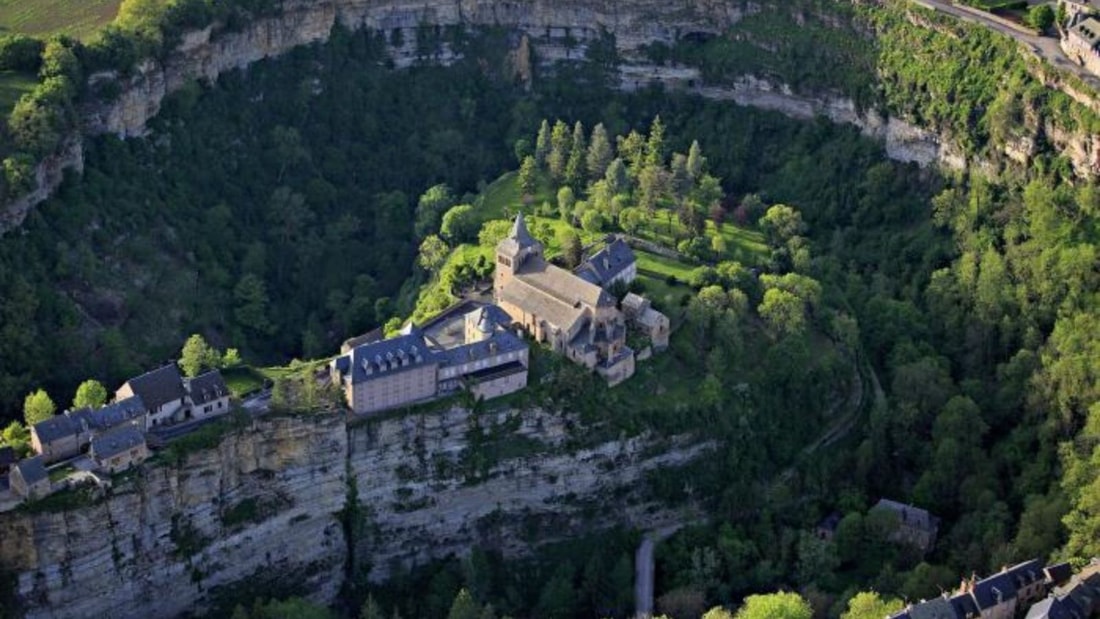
(38, 407)
(91, 393)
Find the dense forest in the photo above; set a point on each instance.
(276, 212)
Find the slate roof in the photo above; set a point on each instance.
(545, 306)
(7, 457)
(1055, 608)
(115, 414)
(206, 387)
(964, 606)
(159, 386)
(32, 470)
(501, 342)
(607, 263)
(936, 608)
(562, 284)
(994, 590)
(518, 239)
(910, 516)
(1088, 30)
(489, 317)
(1059, 573)
(116, 441)
(384, 358)
(56, 427)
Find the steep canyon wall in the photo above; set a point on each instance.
(557, 30)
(267, 506)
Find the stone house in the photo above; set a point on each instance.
(161, 391)
(409, 368)
(640, 313)
(207, 395)
(58, 437)
(29, 479)
(119, 449)
(916, 526)
(1077, 598)
(611, 265)
(576, 317)
(1081, 42)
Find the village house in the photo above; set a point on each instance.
(1076, 597)
(1081, 42)
(119, 449)
(916, 526)
(576, 317)
(207, 396)
(490, 362)
(1003, 596)
(67, 435)
(57, 438)
(29, 479)
(162, 392)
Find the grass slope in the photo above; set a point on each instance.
(13, 85)
(76, 18)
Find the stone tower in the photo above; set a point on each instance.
(512, 253)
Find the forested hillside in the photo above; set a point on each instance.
(276, 211)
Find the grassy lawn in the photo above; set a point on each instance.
(660, 266)
(665, 297)
(502, 198)
(13, 85)
(76, 18)
(243, 380)
(742, 244)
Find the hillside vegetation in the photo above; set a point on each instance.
(263, 211)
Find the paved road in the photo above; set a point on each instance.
(1045, 47)
(643, 570)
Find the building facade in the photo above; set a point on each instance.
(119, 449)
(409, 368)
(577, 318)
(1081, 42)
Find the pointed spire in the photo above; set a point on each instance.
(519, 231)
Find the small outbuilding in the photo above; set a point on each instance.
(29, 478)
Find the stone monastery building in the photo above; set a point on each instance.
(572, 312)
(577, 317)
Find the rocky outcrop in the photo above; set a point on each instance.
(427, 490)
(168, 538)
(557, 29)
(268, 505)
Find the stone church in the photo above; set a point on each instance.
(576, 317)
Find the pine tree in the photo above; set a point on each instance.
(600, 152)
(576, 170)
(617, 179)
(655, 146)
(527, 176)
(542, 144)
(560, 146)
(696, 162)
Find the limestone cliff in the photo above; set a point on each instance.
(557, 29)
(165, 538)
(266, 504)
(429, 489)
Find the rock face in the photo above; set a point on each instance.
(266, 504)
(425, 496)
(559, 29)
(165, 539)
